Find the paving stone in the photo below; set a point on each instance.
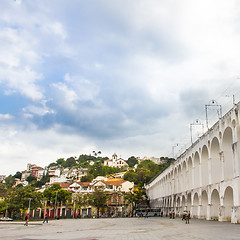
(121, 229)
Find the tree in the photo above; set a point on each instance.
(18, 175)
(88, 178)
(70, 162)
(143, 176)
(19, 198)
(134, 198)
(42, 181)
(81, 200)
(31, 179)
(99, 170)
(130, 176)
(98, 199)
(55, 192)
(64, 196)
(10, 181)
(4, 191)
(61, 161)
(132, 161)
(50, 193)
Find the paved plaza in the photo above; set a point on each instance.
(121, 229)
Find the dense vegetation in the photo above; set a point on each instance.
(146, 171)
(82, 161)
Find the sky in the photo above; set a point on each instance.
(123, 76)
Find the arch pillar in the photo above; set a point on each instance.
(209, 171)
(235, 214)
(221, 213)
(235, 160)
(200, 174)
(222, 165)
(208, 217)
(193, 170)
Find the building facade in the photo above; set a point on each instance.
(205, 178)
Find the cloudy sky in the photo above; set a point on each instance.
(124, 76)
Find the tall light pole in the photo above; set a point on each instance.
(29, 204)
(6, 210)
(196, 123)
(74, 208)
(213, 104)
(56, 204)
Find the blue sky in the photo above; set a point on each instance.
(112, 76)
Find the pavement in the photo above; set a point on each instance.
(120, 229)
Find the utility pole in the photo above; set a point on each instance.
(196, 123)
(29, 206)
(214, 104)
(56, 204)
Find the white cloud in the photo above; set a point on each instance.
(130, 77)
(5, 117)
(39, 147)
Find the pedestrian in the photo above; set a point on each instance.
(26, 219)
(187, 217)
(45, 218)
(184, 215)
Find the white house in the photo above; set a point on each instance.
(115, 162)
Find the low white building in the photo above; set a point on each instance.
(57, 179)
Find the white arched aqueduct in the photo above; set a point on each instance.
(205, 178)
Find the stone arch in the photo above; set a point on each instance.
(189, 174)
(184, 176)
(228, 204)
(215, 205)
(196, 170)
(195, 205)
(189, 202)
(175, 174)
(215, 161)
(171, 184)
(203, 213)
(179, 179)
(227, 144)
(204, 164)
(183, 203)
(178, 206)
(168, 184)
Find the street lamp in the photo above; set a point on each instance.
(56, 204)
(74, 208)
(6, 209)
(29, 204)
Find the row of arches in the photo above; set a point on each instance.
(213, 163)
(205, 178)
(208, 204)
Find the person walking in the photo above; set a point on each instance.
(26, 219)
(187, 217)
(184, 215)
(45, 218)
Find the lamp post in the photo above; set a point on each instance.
(6, 210)
(29, 204)
(74, 208)
(56, 204)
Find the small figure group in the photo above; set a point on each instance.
(186, 216)
(172, 214)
